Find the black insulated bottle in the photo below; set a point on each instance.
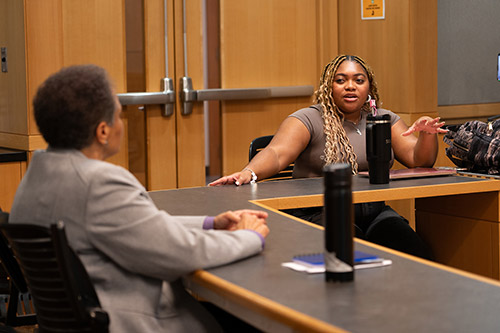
(378, 148)
(338, 222)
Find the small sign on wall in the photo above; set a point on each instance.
(372, 9)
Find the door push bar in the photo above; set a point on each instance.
(166, 97)
(188, 96)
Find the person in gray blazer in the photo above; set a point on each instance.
(134, 253)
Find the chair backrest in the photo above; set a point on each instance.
(64, 297)
(4, 216)
(19, 311)
(260, 143)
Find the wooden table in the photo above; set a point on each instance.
(411, 295)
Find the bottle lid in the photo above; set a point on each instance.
(380, 119)
(337, 174)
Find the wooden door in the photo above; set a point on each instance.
(265, 44)
(169, 149)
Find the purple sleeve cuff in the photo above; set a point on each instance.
(208, 223)
(260, 236)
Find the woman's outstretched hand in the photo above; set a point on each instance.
(426, 124)
(237, 178)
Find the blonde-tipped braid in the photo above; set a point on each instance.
(337, 146)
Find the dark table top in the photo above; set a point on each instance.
(407, 296)
(12, 155)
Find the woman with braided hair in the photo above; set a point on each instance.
(333, 131)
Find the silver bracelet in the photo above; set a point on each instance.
(254, 176)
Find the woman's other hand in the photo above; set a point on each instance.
(426, 124)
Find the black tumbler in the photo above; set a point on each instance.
(338, 222)
(378, 148)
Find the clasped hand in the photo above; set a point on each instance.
(242, 219)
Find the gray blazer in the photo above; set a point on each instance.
(134, 253)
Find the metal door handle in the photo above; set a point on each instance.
(188, 96)
(165, 97)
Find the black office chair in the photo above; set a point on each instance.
(16, 308)
(64, 297)
(260, 143)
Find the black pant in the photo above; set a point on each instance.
(377, 223)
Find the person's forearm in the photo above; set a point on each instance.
(265, 164)
(426, 150)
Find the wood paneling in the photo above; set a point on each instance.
(44, 40)
(161, 132)
(265, 44)
(484, 206)
(190, 129)
(134, 27)
(471, 245)
(57, 33)
(468, 224)
(13, 116)
(22, 142)
(327, 33)
(10, 177)
(213, 81)
(401, 49)
(94, 32)
(44, 36)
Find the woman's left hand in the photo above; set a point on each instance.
(426, 124)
